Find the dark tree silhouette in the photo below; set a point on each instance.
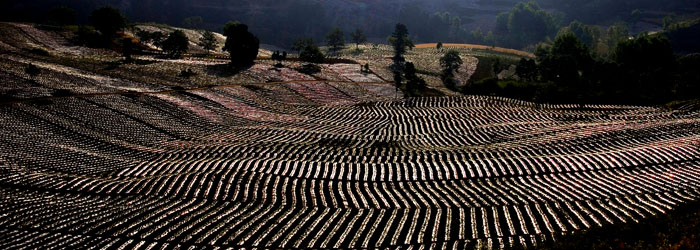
(648, 63)
(335, 39)
(398, 79)
(241, 45)
(689, 85)
(358, 37)
(525, 24)
(568, 62)
(176, 44)
(207, 41)
(399, 40)
(108, 21)
(526, 69)
(311, 53)
(279, 57)
(127, 48)
(302, 43)
(450, 63)
(413, 83)
(157, 38)
(587, 34)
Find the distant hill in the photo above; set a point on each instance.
(280, 22)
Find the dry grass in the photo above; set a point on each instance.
(477, 46)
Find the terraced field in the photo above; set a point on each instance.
(277, 166)
(330, 160)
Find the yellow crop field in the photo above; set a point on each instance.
(477, 46)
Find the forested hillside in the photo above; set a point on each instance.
(280, 22)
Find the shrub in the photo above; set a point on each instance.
(311, 53)
(186, 73)
(88, 36)
(32, 70)
(176, 44)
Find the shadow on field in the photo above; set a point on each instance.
(224, 70)
(115, 64)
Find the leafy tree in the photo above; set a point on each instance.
(358, 37)
(108, 21)
(477, 36)
(143, 35)
(648, 63)
(61, 16)
(302, 43)
(399, 40)
(207, 41)
(88, 36)
(526, 23)
(530, 23)
(616, 33)
(502, 22)
(585, 33)
(311, 53)
(526, 69)
(335, 40)
(176, 44)
(155, 37)
(450, 63)
(193, 22)
(567, 62)
(242, 45)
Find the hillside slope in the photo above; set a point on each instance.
(101, 153)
